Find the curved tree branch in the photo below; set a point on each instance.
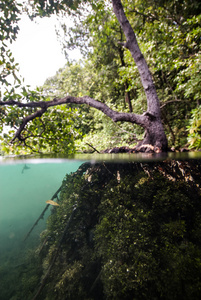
(44, 105)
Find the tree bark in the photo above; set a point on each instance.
(154, 132)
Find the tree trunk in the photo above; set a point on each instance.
(154, 132)
(154, 135)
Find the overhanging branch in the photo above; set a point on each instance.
(44, 105)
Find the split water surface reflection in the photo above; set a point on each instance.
(123, 228)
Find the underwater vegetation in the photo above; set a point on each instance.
(121, 231)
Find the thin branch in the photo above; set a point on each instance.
(33, 135)
(93, 148)
(26, 120)
(150, 16)
(171, 101)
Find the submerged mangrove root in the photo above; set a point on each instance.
(55, 255)
(42, 214)
(80, 171)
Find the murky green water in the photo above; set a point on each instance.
(26, 185)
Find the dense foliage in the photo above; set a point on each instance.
(122, 231)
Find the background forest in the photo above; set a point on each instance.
(169, 35)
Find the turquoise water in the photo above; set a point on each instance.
(24, 189)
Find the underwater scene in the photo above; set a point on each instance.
(100, 229)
